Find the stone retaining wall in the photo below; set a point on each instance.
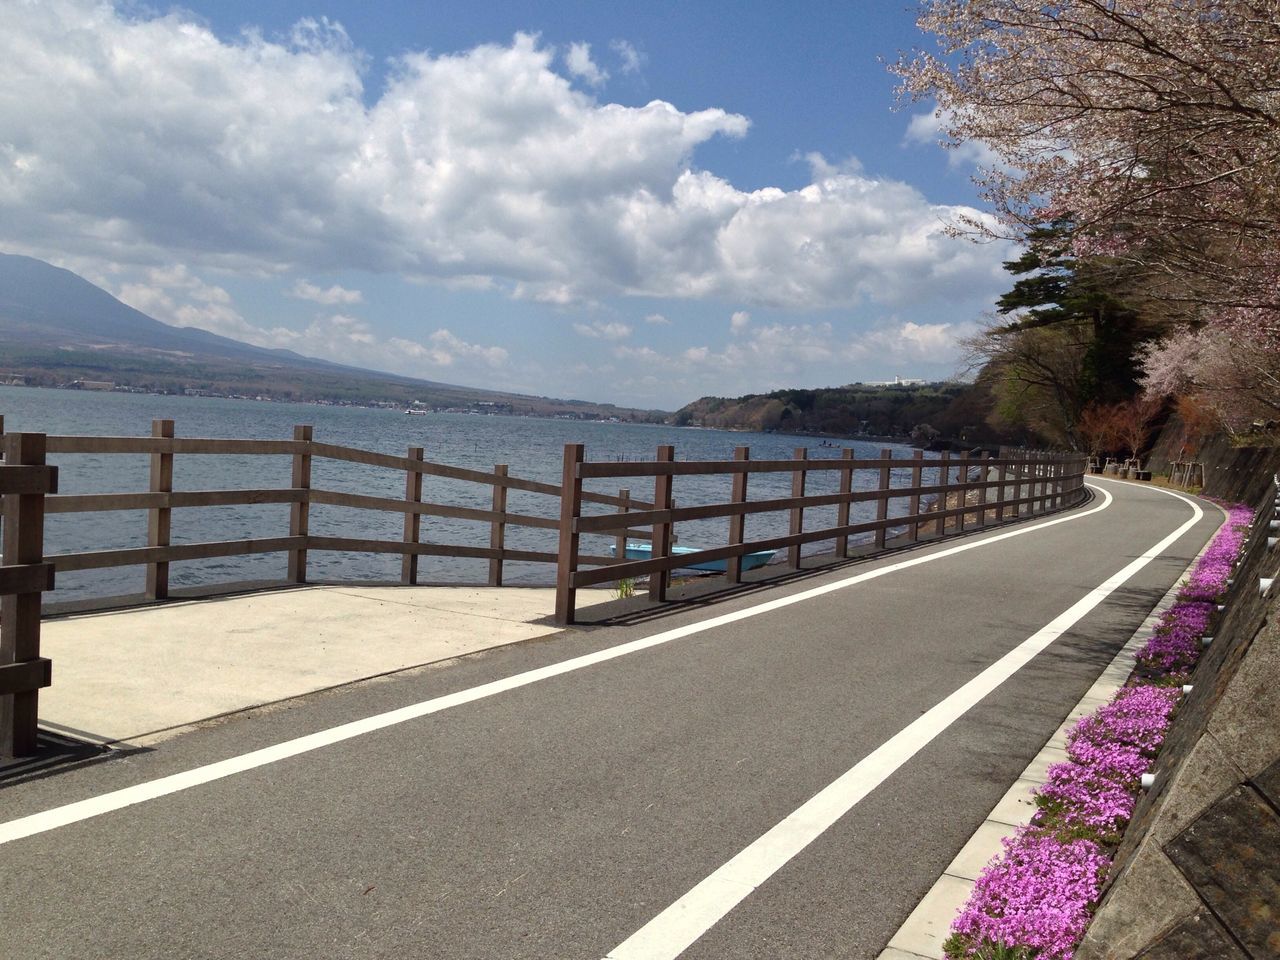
(1231, 473)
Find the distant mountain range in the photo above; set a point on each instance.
(56, 328)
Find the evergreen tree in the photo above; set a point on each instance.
(1054, 287)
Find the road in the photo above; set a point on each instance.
(603, 792)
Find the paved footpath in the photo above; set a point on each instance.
(780, 774)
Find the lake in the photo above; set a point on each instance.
(533, 449)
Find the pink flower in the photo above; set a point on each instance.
(1036, 895)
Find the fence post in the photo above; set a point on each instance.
(944, 481)
(159, 519)
(23, 672)
(412, 520)
(300, 513)
(1029, 475)
(737, 521)
(1002, 476)
(984, 467)
(1018, 469)
(570, 510)
(659, 581)
(498, 526)
(798, 478)
(1042, 471)
(913, 505)
(962, 496)
(842, 510)
(882, 501)
(620, 541)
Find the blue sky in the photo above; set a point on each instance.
(640, 205)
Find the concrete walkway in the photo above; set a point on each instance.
(141, 675)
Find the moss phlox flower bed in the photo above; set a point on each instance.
(1036, 899)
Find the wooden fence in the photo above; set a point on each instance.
(1020, 482)
(1024, 482)
(161, 500)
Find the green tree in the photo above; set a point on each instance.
(1070, 340)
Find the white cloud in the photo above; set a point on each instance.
(351, 340)
(335, 295)
(657, 320)
(141, 141)
(927, 128)
(775, 355)
(739, 321)
(629, 58)
(603, 331)
(174, 295)
(919, 341)
(578, 61)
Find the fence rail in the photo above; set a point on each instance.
(947, 494)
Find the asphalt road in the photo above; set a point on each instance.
(557, 818)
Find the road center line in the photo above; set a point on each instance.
(86, 809)
(671, 932)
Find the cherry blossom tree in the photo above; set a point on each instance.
(1155, 127)
(1230, 371)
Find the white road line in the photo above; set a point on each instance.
(671, 932)
(139, 793)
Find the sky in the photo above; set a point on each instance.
(638, 204)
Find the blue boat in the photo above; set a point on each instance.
(643, 551)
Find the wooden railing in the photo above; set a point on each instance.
(25, 479)
(161, 500)
(1025, 482)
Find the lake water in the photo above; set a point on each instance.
(533, 449)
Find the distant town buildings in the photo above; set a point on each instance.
(896, 382)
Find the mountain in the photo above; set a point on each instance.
(41, 303)
(56, 328)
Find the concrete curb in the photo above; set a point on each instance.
(923, 933)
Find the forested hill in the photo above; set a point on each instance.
(893, 410)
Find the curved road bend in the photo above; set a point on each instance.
(569, 818)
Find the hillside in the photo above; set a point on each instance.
(952, 410)
(57, 328)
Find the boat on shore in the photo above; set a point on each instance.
(644, 551)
